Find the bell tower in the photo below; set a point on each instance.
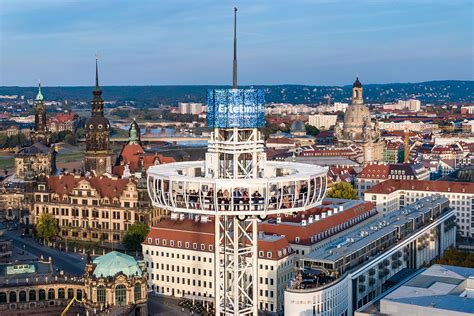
(98, 156)
(40, 132)
(357, 92)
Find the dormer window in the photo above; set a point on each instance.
(180, 244)
(297, 240)
(269, 254)
(164, 242)
(195, 245)
(261, 253)
(187, 244)
(157, 241)
(150, 241)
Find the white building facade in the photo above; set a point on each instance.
(350, 280)
(392, 195)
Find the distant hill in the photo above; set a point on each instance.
(437, 92)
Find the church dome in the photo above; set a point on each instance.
(298, 127)
(115, 262)
(354, 120)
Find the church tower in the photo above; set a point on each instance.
(98, 156)
(40, 132)
(357, 92)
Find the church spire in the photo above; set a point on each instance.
(97, 92)
(234, 70)
(97, 102)
(39, 96)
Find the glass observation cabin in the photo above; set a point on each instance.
(236, 178)
(283, 187)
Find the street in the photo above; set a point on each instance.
(70, 263)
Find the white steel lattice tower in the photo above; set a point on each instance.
(235, 187)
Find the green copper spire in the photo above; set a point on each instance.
(39, 96)
(133, 137)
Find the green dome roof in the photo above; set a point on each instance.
(114, 262)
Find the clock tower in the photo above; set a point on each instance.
(98, 156)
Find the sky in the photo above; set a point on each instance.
(180, 42)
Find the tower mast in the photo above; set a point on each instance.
(234, 68)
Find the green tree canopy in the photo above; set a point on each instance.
(135, 235)
(311, 130)
(342, 190)
(46, 227)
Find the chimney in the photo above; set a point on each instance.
(310, 219)
(204, 218)
(329, 212)
(303, 222)
(341, 208)
(181, 217)
(278, 220)
(316, 217)
(323, 215)
(335, 210)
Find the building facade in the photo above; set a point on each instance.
(374, 173)
(353, 270)
(180, 260)
(112, 283)
(92, 208)
(392, 195)
(322, 121)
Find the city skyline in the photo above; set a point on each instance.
(314, 43)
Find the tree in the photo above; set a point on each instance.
(135, 235)
(342, 190)
(311, 130)
(46, 228)
(70, 139)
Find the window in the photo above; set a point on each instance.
(101, 294)
(180, 244)
(120, 295)
(51, 294)
(150, 241)
(137, 290)
(31, 295)
(157, 241)
(61, 294)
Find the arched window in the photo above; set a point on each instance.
(120, 295)
(51, 294)
(61, 294)
(3, 297)
(70, 293)
(137, 289)
(42, 295)
(12, 297)
(101, 294)
(22, 296)
(32, 295)
(79, 295)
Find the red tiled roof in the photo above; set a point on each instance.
(203, 234)
(291, 231)
(391, 185)
(375, 171)
(131, 154)
(106, 187)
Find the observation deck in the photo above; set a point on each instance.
(280, 187)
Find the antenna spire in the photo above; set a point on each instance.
(234, 72)
(96, 71)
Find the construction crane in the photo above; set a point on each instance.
(74, 299)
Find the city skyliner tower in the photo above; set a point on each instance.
(235, 187)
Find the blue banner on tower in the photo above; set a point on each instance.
(241, 108)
